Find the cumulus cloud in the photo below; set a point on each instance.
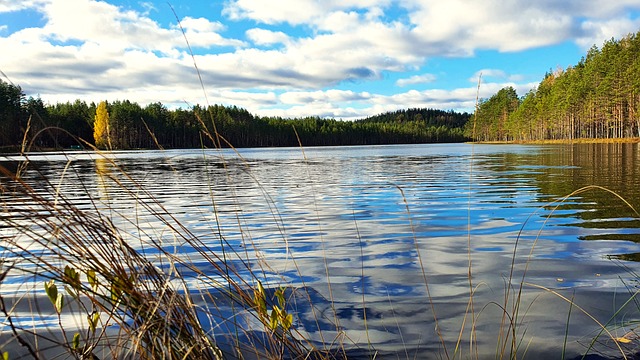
(204, 33)
(267, 37)
(594, 32)
(269, 12)
(13, 5)
(295, 12)
(493, 24)
(93, 49)
(103, 23)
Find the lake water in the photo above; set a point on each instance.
(383, 238)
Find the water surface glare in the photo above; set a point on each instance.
(390, 233)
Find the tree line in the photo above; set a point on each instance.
(597, 98)
(127, 125)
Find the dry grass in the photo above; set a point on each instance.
(117, 302)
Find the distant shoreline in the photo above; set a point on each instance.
(633, 140)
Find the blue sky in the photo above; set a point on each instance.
(334, 58)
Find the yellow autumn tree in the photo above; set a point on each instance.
(101, 126)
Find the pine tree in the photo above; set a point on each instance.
(101, 126)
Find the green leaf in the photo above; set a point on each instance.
(261, 306)
(260, 288)
(273, 321)
(75, 343)
(92, 279)
(93, 321)
(73, 277)
(280, 296)
(5, 355)
(52, 291)
(116, 291)
(259, 300)
(59, 302)
(287, 321)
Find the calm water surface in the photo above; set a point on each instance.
(365, 226)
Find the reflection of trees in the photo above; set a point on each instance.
(626, 257)
(612, 166)
(560, 170)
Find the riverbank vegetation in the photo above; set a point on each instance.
(598, 98)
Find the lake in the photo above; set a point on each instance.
(388, 240)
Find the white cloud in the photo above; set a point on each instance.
(349, 105)
(339, 21)
(250, 100)
(148, 7)
(92, 32)
(327, 96)
(518, 25)
(93, 49)
(416, 79)
(267, 37)
(315, 109)
(272, 12)
(354, 33)
(16, 5)
(595, 32)
(492, 24)
(201, 25)
(591, 8)
(114, 28)
(295, 12)
(204, 33)
(89, 46)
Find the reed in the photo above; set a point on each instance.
(121, 291)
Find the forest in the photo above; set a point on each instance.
(127, 125)
(598, 98)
